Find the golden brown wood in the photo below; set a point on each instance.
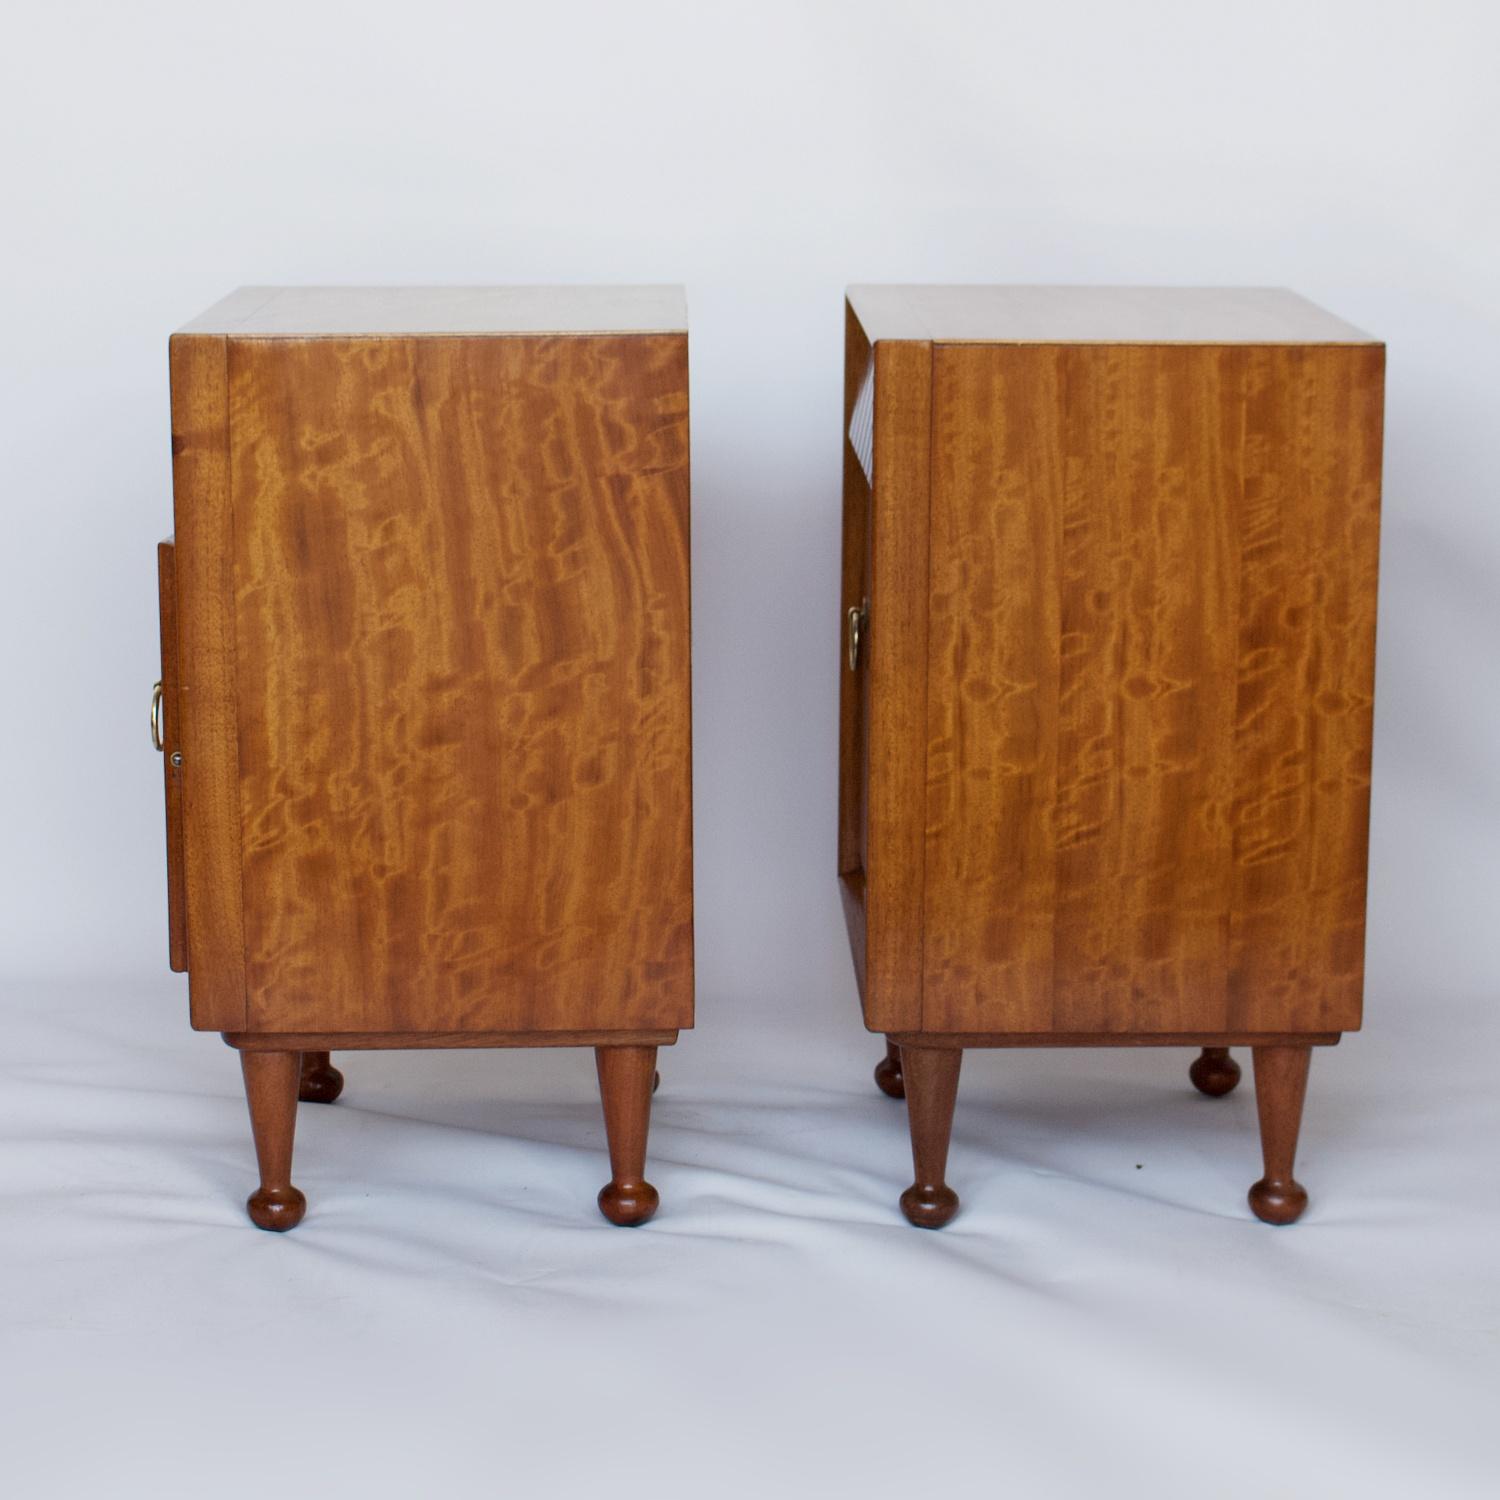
(968, 1039)
(271, 1090)
(931, 1078)
(853, 683)
(431, 625)
(171, 755)
(897, 653)
(203, 558)
(319, 1081)
(1150, 684)
(1214, 1072)
(462, 613)
(626, 1083)
(1280, 1088)
(367, 1041)
(1123, 697)
(888, 1072)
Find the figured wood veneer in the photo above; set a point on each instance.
(455, 749)
(1104, 767)
(425, 652)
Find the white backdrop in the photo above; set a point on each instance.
(155, 156)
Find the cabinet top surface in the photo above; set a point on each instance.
(1097, 315)
(374, 311)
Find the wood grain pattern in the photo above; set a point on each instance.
(1214, 1038)
(896, 666)
(854, 685)
(166, 588)
(204, 558)
(1150, 685)
(375, 1041)
(460, 573)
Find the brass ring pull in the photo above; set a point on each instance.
(156, 738)
(858, 615)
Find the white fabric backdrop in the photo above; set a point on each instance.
(453, 1311)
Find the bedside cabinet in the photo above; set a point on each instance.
(1109, 575)
(425, 688)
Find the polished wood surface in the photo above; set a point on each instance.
(895, 661)
(1097, 315)
(1214, 1072)
(375, 1041)
(627, 1079)
(319, 1082)
(1280, 1088)
(271, 1080)
(888, 1077)
(209, 736)
(462, 737)
(966, 1039)
(931, 1078)
(439, 311)
(171, 751)
(1150, 682)
(425, 635)
(1118, 678)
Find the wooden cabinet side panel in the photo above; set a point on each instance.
(1151, 648)
(897, 667)
(993, 687)
(1309, 531)
(463, 619)
(166, 589)
(204, 550)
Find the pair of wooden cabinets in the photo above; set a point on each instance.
(1108, 613)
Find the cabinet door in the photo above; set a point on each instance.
(1151, 646)
(883, 718)
(457, 577)
(165, 715)
(854, 676)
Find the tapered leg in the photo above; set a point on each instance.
(931, 1077)
(888, 1072)
(626, 1082)
(1214, 1072)
(271, 1088)
(321, 1082)
(1280, 1087)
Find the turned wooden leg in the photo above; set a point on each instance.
(931, 1078)
(271, 1088)
(626, 1082)
(888, 1072)
(321, 1082)
(1280, 1086)
(1214, 1072)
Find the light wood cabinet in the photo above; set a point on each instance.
(1109, 582)
(425, 687)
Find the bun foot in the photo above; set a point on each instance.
(1278, 1202)
(888, 1075)
(320, 1082)
(929, 1205)
(628, 1203)
(276, 1209)
(1214, 1072)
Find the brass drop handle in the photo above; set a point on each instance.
(859, 620)
(156, 697)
